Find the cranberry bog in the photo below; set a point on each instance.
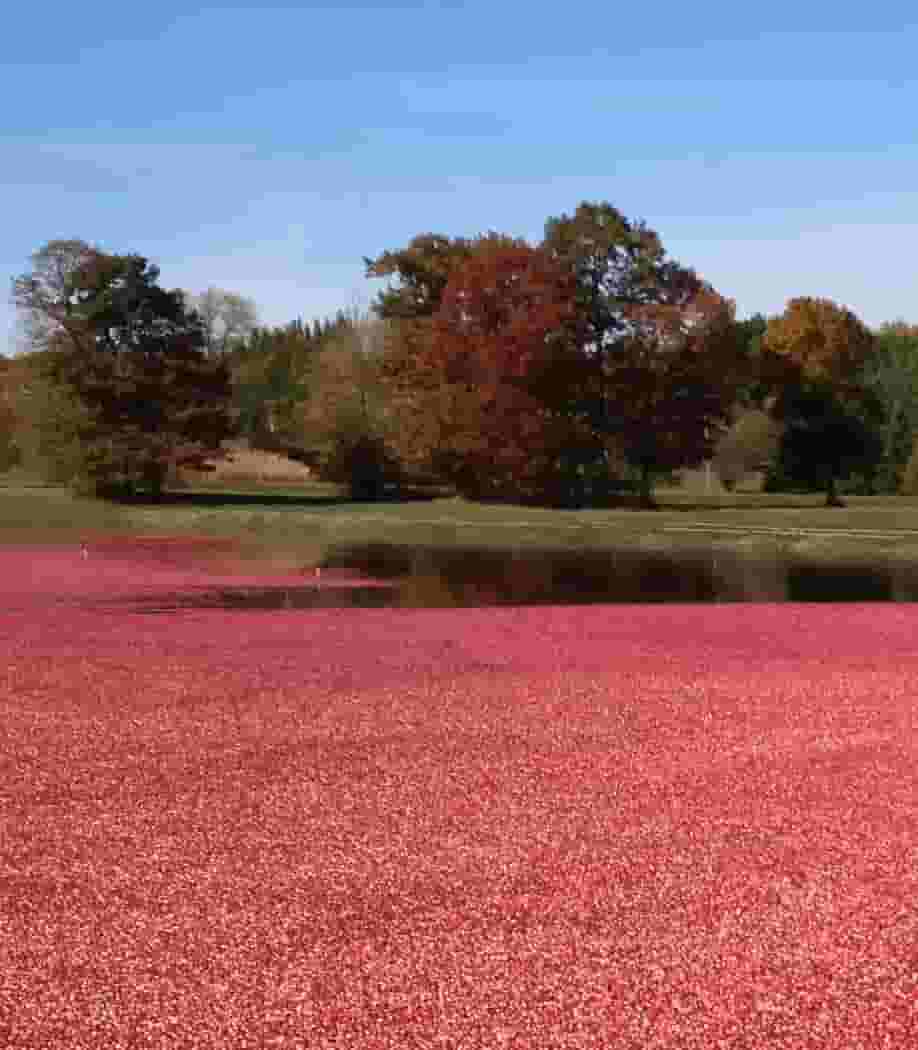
(633, 826)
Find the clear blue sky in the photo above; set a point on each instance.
(267, 149)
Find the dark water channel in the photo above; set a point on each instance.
(436, 578)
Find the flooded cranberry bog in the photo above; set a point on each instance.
(601, 826)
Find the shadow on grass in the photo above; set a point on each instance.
(660, 503)
(694, 508)
(216, 498)
(209, 498)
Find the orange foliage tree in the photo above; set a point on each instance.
(815, 355)
(817, 341)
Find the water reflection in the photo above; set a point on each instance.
(411, 577)
(840, 584)
(264, 598)
(474, 577)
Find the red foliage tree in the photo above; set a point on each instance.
(500, 369)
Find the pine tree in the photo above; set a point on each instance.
(135, 359)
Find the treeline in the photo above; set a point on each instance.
(562, 373)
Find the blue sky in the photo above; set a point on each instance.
(268, 149)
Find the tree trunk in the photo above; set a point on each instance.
(646, 489)
(832, 497)
(889, 444)
(154, 476)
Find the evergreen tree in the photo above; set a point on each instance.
(134, 358)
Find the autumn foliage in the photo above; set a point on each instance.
(819, 341)
(521, 370)
(588, 363)
(815, 355)
(495, 369)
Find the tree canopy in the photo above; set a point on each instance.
(816, 341)
(814, 356)
(132, 355)
(540, 371)
(892, 374)
(495, 378)
(422, 269)
(347, 416)
(662, 343)
(227, 318)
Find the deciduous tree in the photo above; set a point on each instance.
(814, 357)
(270, 376)
(48, 419)
(751, 443)
(825, 440)
(674, 386)
(663, 345)
(494, 379)
(750, 333)
(347, 416)
(422, 271)
(892, 375)
(820, 342)
(227, 317)
(9, 382)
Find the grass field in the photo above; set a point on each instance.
(304, 521)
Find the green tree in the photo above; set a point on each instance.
(270, 375)
(48, 420)
(824, 441)
(892, 375)
(750, 334)
(10, 379)
(133, 357)
(422, 270)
